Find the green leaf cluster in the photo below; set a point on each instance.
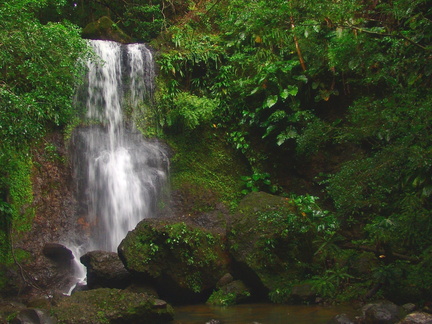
(190, 111)
(39, 67)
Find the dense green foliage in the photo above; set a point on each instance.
(39, 66)
(284, 240)
(302, 79)
(325, 96)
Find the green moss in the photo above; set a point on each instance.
(72, 124)
(230, 294)
(205, 169)
(282, 294)
(192, 257)
(21, 193)
(221, 298)
(105, 28)
(110, 306)
(16, 211)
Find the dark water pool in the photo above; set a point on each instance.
(260, 313)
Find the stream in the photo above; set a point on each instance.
(263, 313)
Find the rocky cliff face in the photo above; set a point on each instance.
(54, 206)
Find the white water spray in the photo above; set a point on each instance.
(119, 175)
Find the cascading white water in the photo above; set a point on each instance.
(119, 175)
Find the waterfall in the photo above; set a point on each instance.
(119, 175)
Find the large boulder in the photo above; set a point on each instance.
(271, 241)
(58, 252)
(382, 312)
(105, 305)
(183, 261)
(417, 318)
(105, 270)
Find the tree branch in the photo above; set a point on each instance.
(376, 251)
(388, 35)
(299, 53)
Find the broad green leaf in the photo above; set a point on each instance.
(269, 130)
(271, 101)
(302, 78)
(292, 90)
(284, 94)
(256, 176)
(254, 91)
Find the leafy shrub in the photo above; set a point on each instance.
(190, 111)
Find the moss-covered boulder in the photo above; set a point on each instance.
(232, 293)
(272, 242)
(104, 28)
(183, 261)
(106, 305)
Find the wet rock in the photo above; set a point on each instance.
(159, 303)
(214, 321)
(39, 302)
(105, 270)
(409, 307)
(417, 318)
(105, 305)
(80, 286)
(225, 280)
(381, 312)
(303, 293)
(33, 316)
(57, 252)
(341, 319)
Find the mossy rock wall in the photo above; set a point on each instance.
(205, 171)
